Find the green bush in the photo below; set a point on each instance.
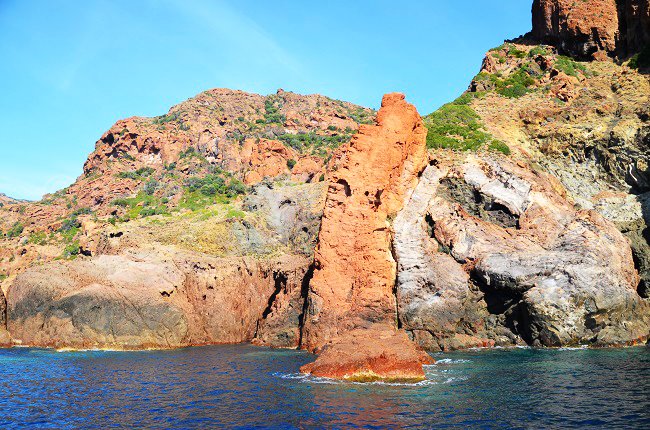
(516, 85)
(538, 50)
(457, 126)
(569, 66)
(497, 145)
(641, 60)
(150, 187)
(71, 250)
(314, 143)
(291, 163)
(272, 114)
(167, 118)
(15, 230)
(140, 173)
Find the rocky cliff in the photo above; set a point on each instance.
(593, 28)
(517, 214)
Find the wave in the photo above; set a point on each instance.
(573, 348)
(301, 377)
(451, 361)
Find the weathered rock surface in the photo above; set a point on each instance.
(634, 25)
(5, 337)
(151, 300)
(593, 29)
(581, 28)
(351, 291)
(371, 354)
(490, 253)
(179, 281)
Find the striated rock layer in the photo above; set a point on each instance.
(491, 253)
(354, 271)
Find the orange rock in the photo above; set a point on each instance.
(377, 353)
(581, 28)
(354, 272)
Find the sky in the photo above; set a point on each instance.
(70, 69)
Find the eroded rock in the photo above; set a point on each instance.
(559, 277)
(354, 271)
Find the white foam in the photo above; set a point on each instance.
(573, 348)
(452, 361)
(320, 380)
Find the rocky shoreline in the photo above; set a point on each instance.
(516, 215)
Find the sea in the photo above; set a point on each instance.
(244, 386)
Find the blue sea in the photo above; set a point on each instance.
(243, 386)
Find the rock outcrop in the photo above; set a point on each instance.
(187, 281)
(354, 271)
(580, 28)
(491, 253)
(593, 29)
(5, 337)
(374, 353)
(634, 26)
(161, 299)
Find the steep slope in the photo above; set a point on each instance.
(205, 152)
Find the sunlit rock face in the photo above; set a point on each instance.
(492, 253)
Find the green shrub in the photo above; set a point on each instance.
(167, 118)
(457, 126)
(497, 145)
(516, 85)
(15, 230)
(150, 187)
(314, 143)
(538, 50)
(291, 163)
(140, 173)
(272, 114)
(641, 60)
(235, 213)
(569, 66)
(38, 238)
(71, 250)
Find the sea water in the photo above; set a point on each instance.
(244, 386)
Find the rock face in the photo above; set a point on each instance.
(354, 271)
(490, 253)
(5, 337)
(593, 28)
(634, 25)
(581, 28)
(181, 283)
(153, 300)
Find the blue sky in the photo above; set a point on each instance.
(70, 69)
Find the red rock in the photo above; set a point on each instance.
(377, 353)
(593, 29)
(354, 272)
(580, 28)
